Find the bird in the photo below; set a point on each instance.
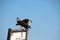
(24, 23)
(27, 20)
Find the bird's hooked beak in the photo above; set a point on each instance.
(30, 21)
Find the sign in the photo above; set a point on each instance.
(17, 34)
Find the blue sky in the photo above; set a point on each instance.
(45, 16)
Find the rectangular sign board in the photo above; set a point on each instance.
(17, 34)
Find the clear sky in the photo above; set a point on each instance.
(45, 16)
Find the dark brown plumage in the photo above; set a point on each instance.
(26, 21)
(23, 23)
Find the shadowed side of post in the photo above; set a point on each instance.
(9, 32)
(26, 34)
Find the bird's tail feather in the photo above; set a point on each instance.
(28, 27)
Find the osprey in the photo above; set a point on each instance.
(24, 23)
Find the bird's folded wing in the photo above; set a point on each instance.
(25, 23)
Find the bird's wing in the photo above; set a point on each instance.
(26, 20)
(25, 23)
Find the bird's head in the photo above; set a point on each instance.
(30, 21)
